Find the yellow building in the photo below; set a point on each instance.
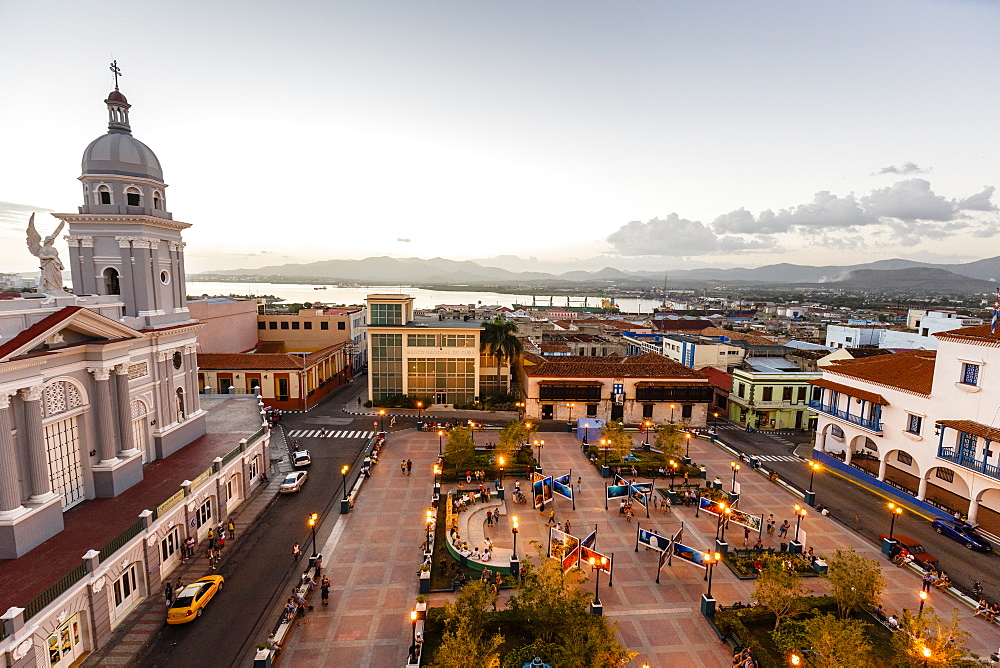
(313, 329)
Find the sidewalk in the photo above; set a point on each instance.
(367, 623)
(131, 637)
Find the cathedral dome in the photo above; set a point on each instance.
(123, 155)
(118, 152)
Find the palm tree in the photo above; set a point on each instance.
(500, 340)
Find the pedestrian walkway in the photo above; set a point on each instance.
(376, 553)
(778, 458)
(328, 433)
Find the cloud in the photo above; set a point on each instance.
(909, 200)
(825, 211)
(979, 201)
(405, 241)
(904, 169)
(15, 216)
(674, 236)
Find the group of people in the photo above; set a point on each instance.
(478, 476)
(406, 466)
(987, 611)
(936, 579)
(744, 659)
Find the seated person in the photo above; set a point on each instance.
(879, 613)
(994, 611)
(900, 556)
(475, 553)
(273, 644)
(943, 581)
(893, 622)
(487, 555)
(982, 609)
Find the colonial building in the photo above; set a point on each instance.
(631, 389)
(921, 423)
(313, 329)
(771, 393)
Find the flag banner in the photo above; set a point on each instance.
(690, 555)
(562, 487)
(586, 554)
(996, 313)
(653, 540)
(590, 540)
(752, 522)
(644, 486)
(617, 492)
(541, 492)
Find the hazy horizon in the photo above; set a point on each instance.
(656, 136)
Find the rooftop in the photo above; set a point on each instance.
(94, 523)
(910, 371)
(647, 365)
(975, 334)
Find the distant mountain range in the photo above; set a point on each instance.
(888, 275)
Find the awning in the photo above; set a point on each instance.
(974, 428)
(850, 391)
(570, 383)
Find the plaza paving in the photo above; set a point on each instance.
(374, 554)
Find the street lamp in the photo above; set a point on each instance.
(519, 405)
(604, 444)
(413, 625)
(800, 512)
(437, 474)
(894, 510)
(501, 461)
(420, 405)
(672, 407)
(795, 660)
(538, 455)
(472, 428)
(923, 599)
(429, 519)
(313, 518)
(715, 421)
(513, 530)
(926, 652)
(736, 468)
(586, 430)
(724, 522)
(381, 419)
(440, 441)
(810, 496)
(711, 558)
(570, 405)
(343, 471)
(722, 514)
(594, 562)
(687, 449)
(673, 472)
(647, 424)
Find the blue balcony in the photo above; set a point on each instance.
(971, 463)
(827, 409)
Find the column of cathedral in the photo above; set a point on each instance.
(10, 487)
(107, 443)
(127, 281)
(154, 277)
(124, 410)
(190, 367)
(34, 436)
(166, 389)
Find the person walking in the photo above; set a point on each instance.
(168, 593)
(552, 516)
(579, 484)
(296, 552)
(402, 467)
(211, 538)
(324, 589)
(770, 525)
(783, 529)
(489, 519)
(566, 526)
(746, 535)
(409, 467)
(232, 530)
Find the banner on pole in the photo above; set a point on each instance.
(541, 492)
(752, 522)
(638, 495)
(709, 505)
(563, 487)
(617, 492)
(690, 555)
(653, 540)
(564, 547)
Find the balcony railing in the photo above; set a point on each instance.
(971, 463)
(833, 411)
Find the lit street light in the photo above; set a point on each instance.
(437, 474)
(313, 518)
(810, 496)
(420, 405)
(440, 441)
(472, 428)
(647, 424)
(538, 455)
(513, 530)
(715, 421)
(800, 512)
(501, 461)
(672, 407)
(605, 443)
(735, 467)
(711, 559)
(596, 606)
(381, 419)
(894, 511)
(413, 625)
(429, 520)
(687, 449)
(923, 599)
(343, 471)
(673, 472)
(926, 652)
(570, 406)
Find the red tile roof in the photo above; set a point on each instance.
(648, 365)
(720, 379)
(25, 336)
(910, 371)
(975, 334)
(680, 324)
(851, 391)
(752, 339)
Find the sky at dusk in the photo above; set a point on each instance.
(646, 135)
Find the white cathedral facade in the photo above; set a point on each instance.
(96, 383)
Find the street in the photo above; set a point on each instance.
(259, 567)
(864, 511)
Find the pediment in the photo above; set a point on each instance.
(67, 327)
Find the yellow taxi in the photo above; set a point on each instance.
(192, 600)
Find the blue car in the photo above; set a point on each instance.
(962, 532)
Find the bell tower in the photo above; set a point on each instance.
(123, 241)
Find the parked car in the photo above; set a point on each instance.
(963, 532)
(301, 458)
(191, 602)
(293, 482)
(922, 556)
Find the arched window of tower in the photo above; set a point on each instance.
(156, 199)
(103, 195)
(112, 286)
(133, 197)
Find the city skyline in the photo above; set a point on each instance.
(653, 136)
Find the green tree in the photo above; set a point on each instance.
(780, 591)
(618, 440)
(827, 640)
(465, 643)
(929, 639)
(670, 440)
(856, 582)
(460, 447)
(551, 604)
(514, 435)
(499, 339)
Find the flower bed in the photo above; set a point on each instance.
(741, 562)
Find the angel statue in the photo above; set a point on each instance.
(48, 257)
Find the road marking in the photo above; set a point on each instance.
(318, 433)
(778, 458)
